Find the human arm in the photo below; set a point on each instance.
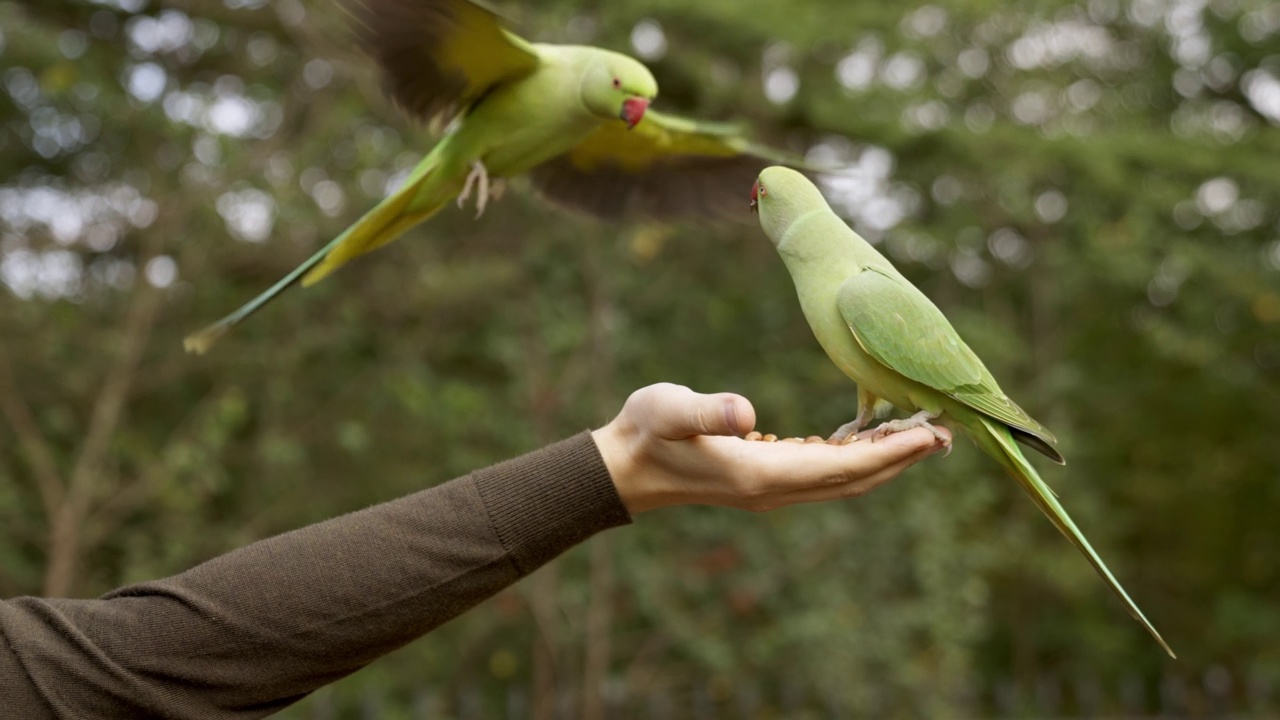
(250, 632)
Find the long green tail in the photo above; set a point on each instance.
(995, 439)
(384, 223)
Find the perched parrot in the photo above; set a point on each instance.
(575, 118)
(899, 348)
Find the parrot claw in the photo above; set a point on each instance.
(845, 431)
(919, 420)
(479, 177)
(851, 428)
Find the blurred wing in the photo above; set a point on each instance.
(439, 56)
(897, 325)
(666, 167)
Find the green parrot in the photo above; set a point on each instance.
(900, 349)
(575, 118)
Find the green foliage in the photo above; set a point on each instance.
(1087, 189)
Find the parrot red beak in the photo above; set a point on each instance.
(633, 110)
(755, 195)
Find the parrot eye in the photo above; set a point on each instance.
(617, 83)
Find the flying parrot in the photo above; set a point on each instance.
(900, 349)
(575, 118)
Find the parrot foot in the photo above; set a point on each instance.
(846, 431)
(851, 428)
(479, 177)
(919, 420)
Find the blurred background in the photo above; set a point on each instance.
(1090, 190)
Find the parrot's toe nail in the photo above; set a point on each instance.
(850, 439)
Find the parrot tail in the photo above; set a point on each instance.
(384, 223)
(994, 438)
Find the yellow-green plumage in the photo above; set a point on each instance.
(518, 126)
(887, 336)
(556, 112)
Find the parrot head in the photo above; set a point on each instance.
(780, 195)
(618, 87)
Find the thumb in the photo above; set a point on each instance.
(684, 413)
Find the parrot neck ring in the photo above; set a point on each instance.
(633, 110)
(757, 192)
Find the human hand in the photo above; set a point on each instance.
(672, 446)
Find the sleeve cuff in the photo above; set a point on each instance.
(543, 503)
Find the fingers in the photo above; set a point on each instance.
(738, 414)
(769, 475)
(673, 446)
(675, 412)
(780, 468)
(854, 488)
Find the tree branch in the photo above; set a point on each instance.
(111, 512)
(66, 523)
(108, 408)
(34, 444)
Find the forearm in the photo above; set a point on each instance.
(251, 631)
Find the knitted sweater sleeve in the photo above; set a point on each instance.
(247, 633)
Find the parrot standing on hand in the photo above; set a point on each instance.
(900, 349)
(575, 118)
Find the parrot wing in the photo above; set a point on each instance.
(666, 167)
(440, 56)
(899, 326)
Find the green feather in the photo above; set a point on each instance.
(900, 327)
(995, 439)
(898, 346)
(514, 107)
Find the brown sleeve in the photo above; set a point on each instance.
(252, 631)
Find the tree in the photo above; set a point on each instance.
(1085, 188)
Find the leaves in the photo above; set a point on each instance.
(1087, 190)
